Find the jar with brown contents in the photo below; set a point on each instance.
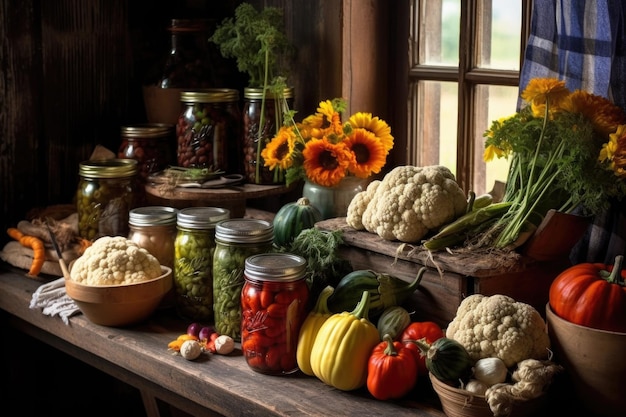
(151, 144)
(272, 121)
(208, 130)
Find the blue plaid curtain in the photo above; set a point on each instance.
(583, 42)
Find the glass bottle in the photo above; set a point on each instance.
(193, 261)
(235, 239)
(151, 144)
(272, 121)
(274, 305)
(208, 130)
(107, 191)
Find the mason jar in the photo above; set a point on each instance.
(274, 305)
(193, 261)
(107, 191)
(272, 121)
(151, 144)
(154, 229)
(208, 131)
(236, 239)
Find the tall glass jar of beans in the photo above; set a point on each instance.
(209, 130)
(235, 239)
(254, 170)
(107, 190)
(151, 144)
(274, 305)
(193, 261)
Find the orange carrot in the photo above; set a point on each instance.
(36, 244)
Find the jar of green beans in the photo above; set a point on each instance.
(193, 261)
(235, 240)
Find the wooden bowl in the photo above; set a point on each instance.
(120, 305)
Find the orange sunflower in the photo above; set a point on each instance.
(326, 163)
(369, 153)
(377, 126)
(603, 114)
(614, 152)
(325, 122)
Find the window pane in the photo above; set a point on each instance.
(436, 113)
(500, 102)
(498, 36)
(439, 26)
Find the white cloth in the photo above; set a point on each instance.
(53, 300)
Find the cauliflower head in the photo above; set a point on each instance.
(408, 203)
(114, 260)
(499, 326)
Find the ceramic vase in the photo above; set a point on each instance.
(333, 201)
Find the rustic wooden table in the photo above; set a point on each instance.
(213, 385)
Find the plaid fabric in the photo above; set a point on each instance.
(583, 42)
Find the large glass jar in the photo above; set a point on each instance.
(107, 191)
(272, 121)
(274, 305)
(154, 229)
(193, 261)
(151, 144)
(208, 130)
(235, 239)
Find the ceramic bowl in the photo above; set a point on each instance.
(120, 305)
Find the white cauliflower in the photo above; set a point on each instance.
(408, 203)
(113, 261)
(498, 326)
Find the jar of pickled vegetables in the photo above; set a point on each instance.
(235, 239)
(154, 229)
(107, 191)
(151, 144)
(274, 305)
(193, 261)
(209, 130)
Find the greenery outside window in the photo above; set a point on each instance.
(464, 62)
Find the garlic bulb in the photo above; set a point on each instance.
(490, 371)
(476, 387)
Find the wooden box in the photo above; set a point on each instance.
(453, 275)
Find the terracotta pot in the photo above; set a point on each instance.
(594, 360)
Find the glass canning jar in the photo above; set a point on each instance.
(107, 191)
(274, 305)
(154, 229)
(193, 261)
(151, 144)
(235, 240)
(208, 131)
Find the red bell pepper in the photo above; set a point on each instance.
(391, 370)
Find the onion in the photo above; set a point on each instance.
(205, 333)
(490, 371)
(194, 329)
(476, 387)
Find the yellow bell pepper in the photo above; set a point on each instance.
(310, 328)
(342, 347)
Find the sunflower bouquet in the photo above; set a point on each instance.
(323, 149)
(567, 151)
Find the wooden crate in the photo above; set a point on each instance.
(451, 276)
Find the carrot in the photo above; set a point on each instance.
(36, 244)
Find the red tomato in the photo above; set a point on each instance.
(417, 330)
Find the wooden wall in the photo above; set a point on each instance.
(71, 74)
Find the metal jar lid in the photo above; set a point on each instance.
(147, 130)
(244, 231)
(201, 217)
(284, 267)
(257, 93)
(108, 168)
(210, 95)
(152, 216)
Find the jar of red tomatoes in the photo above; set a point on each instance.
(274, 305)
(209, 130)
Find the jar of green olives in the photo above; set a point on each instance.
(235, 239)
(209, 130)
(107, 191)
(193, 261)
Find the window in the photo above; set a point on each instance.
(464, 72)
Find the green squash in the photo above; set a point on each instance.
(446, 359)
(292, 218)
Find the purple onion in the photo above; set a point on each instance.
(194, 329)
(205, 333)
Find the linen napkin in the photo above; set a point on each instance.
(54, 301)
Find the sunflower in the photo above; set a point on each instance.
(369, 153)
(377, 126)
(278, 153)
(603, 114)
(614, 152)
(326, 163)
(325, 122)
(539, 90)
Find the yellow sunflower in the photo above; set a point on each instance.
(326, 163)
(369, 153)
(614, 152)
(278, 153)
(380, 128)
(539, 90)
(492, 151)
(326, 121)
(603, 114)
